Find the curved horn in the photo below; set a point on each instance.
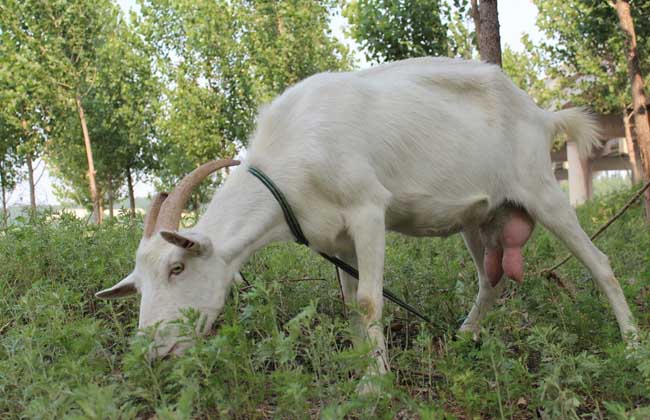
(152, 214)
(170, 214)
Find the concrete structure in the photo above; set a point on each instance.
(613, 156)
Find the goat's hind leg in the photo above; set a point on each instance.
(551, 208)
(487, 294)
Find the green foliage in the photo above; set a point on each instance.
(288, 41)
(207, 91)
(178, 85)
(461, 34)
(221, 60)
(585, 52)
(56, 52)
(25, 117)
(121, 108)
(282, 349)
(526, 70)
(391, 30)
(10, 157)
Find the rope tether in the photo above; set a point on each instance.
(294, 226)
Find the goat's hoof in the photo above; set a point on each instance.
(367, 387)
(466, 330)
(632, 339)
(371, 382)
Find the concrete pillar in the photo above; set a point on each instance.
(580, 183)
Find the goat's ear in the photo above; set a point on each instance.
(124, 288)
(193, 242)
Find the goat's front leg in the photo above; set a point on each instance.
(368, 232)
(349, 287)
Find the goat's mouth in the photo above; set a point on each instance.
(168, 343)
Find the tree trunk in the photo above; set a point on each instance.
(30, 173)
(101, 206)
(632, 151)
(129, 181)
(97, 211)
(5, 213)
(111, 197)
(32, 187)
(641, 123)
(489, 40)
(477, 22)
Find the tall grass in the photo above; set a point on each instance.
(282, 349)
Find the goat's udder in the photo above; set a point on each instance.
(507, 257)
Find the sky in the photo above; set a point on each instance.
(516, 17)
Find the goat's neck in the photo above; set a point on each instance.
(242, 218)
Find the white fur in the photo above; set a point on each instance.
(426, 147)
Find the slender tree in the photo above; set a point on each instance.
(94, 194)
(641, 123)
(75, 30)
(10, 162)
(30, 169)
(121, 106)
(476, 17)
(586, 61)
(486, 21)
(632, 148)
(131, 191)
(60, 40)
(25, 94)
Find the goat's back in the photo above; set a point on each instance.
(434, 131)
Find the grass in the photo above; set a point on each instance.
(282, 349)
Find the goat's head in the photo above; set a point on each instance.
(175, 270)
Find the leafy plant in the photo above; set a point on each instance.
(283, 348)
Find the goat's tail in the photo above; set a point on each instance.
(580, 126)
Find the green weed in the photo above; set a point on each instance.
(282, 348)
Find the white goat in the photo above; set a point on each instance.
(426, 147)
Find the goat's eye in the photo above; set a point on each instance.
(177, 268)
